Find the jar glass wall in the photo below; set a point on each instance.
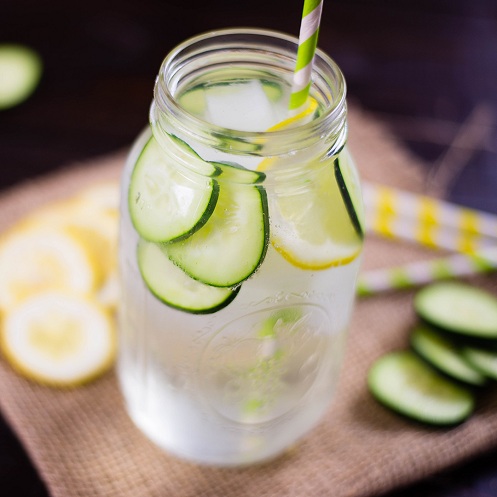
(240, 243)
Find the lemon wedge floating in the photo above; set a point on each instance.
(58, 339)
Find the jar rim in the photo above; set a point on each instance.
(324, 68)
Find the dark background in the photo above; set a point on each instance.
(427, 69)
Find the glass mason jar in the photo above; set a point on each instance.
(240, 243)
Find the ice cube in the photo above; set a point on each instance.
(242, 106)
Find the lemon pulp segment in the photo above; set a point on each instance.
(311, 226)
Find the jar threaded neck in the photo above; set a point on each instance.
(267, 51)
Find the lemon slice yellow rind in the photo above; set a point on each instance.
(299, 118)
(92, 219)
(35, 260)
(311, 226)
(58, 339)
(298, 260)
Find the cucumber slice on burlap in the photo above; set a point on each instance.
(404, 383)
(444, 355)
(459, 308)
(483, 360)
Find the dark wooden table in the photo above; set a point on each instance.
(428, 69)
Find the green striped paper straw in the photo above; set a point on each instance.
(308, 39)
(415, 274)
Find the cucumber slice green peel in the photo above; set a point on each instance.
(182, 144)
(483, 360)
(20, 72)
(444, 355)
(203, 167)
(404, 383)
(458, 308)
(176, 289)
(272, 89)
(348, 184)
(165, 204)
(236, 173)
(232, 244)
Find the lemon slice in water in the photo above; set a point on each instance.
(305, 115)
(311, 226)
(58, 339)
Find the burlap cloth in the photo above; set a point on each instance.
(83, 443)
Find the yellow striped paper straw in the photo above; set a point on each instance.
(415, 274)
(432, 236)
(308, 39)
(435, 223)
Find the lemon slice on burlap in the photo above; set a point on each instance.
(34, 260)
(93, 218)
(311, 227)
(96, 225)
(58, 339)
(104, 196)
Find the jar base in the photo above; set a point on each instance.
(230, 460)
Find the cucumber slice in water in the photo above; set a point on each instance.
(20, 72)
(348, 182)
(458, 308)
(444, 355)
(189, 150)
(193, 101)
(406, 384)
(232, 244)
(272, 89)
(236, 173)
(176, 289)
(165, 204)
